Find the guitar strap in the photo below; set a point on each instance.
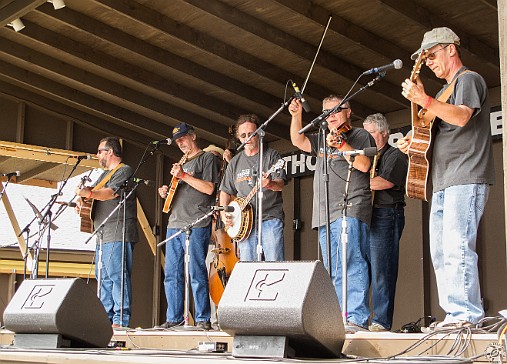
(107, 178)
(444, 96)
(201, 152)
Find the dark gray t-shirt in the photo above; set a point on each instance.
(463, 155)
(189, 204)
(359, 194)
(239, 181)
(113, 229)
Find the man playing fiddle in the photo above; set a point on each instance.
(358, 213)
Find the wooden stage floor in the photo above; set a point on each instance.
(176, 346)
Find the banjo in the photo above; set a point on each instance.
(242, 215)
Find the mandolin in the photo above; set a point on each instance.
(172, 188)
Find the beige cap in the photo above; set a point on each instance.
(214, 148)
(436, 36)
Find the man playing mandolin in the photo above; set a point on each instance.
(461, 171)
(342, 138)
(196, 177)
(239, 180)
(105, 194)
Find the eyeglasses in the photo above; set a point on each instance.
(100, 150)
(432, 56)
(245, 135)
(335, 112)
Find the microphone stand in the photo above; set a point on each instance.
(344, 235)
(320, 120)
(260, 193)
(45, 219)
(187, 230)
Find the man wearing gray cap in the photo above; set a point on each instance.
(461, 172)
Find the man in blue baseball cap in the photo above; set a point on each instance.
(195, 175)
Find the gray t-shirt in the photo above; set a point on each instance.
(189, 204)
(113, 229)
(463, 155)
(240, 178)
(359, 194)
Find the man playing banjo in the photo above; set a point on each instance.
(239, 180)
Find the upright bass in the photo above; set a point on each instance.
(225, 253)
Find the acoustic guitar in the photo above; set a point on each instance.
(85, 213)
(419, 150)
(242, 215)
(174, 185)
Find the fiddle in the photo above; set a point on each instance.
(337, 137)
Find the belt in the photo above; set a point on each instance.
(397, 205)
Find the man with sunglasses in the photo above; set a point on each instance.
(240, 178)
(461, 172)
(106, 197)
(358, 201)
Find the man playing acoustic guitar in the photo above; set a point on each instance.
(105, 194)
(461, 171)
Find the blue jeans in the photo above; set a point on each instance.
(454, 220)
(272, 242)
(174, 281)
(385, 232)
(110, 285)
(358, 282)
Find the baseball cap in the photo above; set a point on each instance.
(436, 36)
(181, 130)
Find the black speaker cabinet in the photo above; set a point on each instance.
(57, 312)
(279, 309)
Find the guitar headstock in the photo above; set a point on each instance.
(418, 64)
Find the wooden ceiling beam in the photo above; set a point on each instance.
(294, 45)
(207, 44)
(147, 79)
(79, 100)
(16, 9)
(430, 20)
(383, 47)
(109, 124)
(106, 90)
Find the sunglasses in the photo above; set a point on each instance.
(431, 56)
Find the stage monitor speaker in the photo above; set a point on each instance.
(280, 309)
(57, 312)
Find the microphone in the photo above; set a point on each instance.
(147, 182)
(167, 141)
(396, 64)
(12, 174)
(81, 157)
(300, 97)
(222, 208)
(369, 152)
(70, 204)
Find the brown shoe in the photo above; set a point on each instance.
(115, 326)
